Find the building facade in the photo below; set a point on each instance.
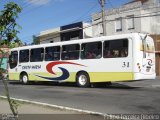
(49, 36)
(135, 16)
(4, 57)
(73, 31)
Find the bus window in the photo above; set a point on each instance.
(24, 56)
(91, 50)
(37, 55)
(115, 48)
(52, 53)
(70, 52)
(13, 59)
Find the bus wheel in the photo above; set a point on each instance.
(108, 83)
(24, 78)
(83, 80)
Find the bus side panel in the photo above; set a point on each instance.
(113, 69)
(39, 71)
(13, 76)
(110, 76)
(33, 77)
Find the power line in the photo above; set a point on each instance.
(28, 4)
(144, 7)
(31, 10)
(29, 40)
(25, 4)
(86, 12)
(141, 16)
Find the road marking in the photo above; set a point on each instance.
(62, 107)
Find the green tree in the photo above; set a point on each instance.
(35, 40)
(8, 35)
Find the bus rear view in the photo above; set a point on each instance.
(145, 58)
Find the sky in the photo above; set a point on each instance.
(40, 15)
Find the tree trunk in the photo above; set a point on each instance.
(14, 112)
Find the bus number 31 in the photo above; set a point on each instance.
(125, 64)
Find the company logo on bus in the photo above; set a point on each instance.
(65, 73)
(150, 62)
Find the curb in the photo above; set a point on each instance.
(61, 107)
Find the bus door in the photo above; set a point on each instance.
(148, 60)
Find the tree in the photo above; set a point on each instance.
(8, 35)
(35, 40)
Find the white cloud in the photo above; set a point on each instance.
(39, 2)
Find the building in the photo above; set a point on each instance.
(5, 56)
(73, 31)
(135, 16)
(49, 36)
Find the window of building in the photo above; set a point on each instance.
(70, 52)
(115, 48)
(118, 24)
(52, 53)
(130, 22)
(24, 56)
(13, 59)
(91, 50)
(37, 55)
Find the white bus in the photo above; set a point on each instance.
(126, 57)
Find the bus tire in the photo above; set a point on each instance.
(108, 83)
(24, 78)
(83, 79)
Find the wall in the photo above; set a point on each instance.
(142, 24)
(49, 35)
(151, 24)
(49, 39)
(87, 30)
(111, 15)
(73, 31)
(157, 46)
(4, 63)
(5, 57)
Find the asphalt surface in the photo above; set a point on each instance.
(142, 97)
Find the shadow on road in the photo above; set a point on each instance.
(101, 85)
(115, 86)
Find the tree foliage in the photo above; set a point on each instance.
(35, 40)
(8, 26)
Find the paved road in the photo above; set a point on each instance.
(133, 97)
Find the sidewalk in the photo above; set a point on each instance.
(26, 108)
(144, 83)
(27, 111)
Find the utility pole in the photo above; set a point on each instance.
(102, 3)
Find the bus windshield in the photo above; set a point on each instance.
(13, 59)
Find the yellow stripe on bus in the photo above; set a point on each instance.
(94, 76)
(110, 76)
